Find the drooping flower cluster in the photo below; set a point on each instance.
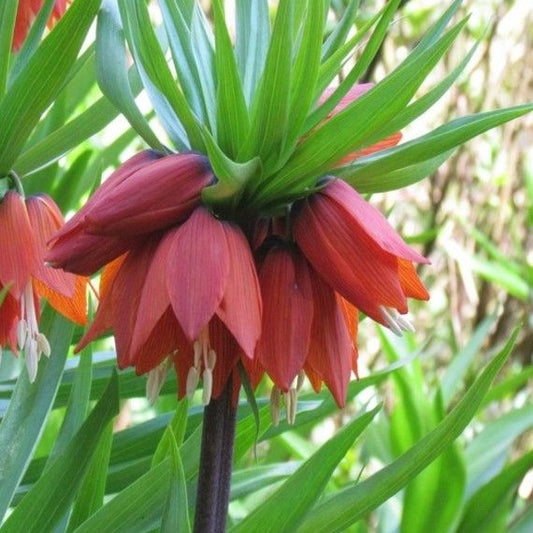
(182, 286)
(27, 11)
(26, 225)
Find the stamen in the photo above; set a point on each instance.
(193, 378)
(156, 378)
(300, 380)
(396, 322)
(292, 406)
(207, 378)
(29, 338)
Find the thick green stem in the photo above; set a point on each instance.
(218, 435)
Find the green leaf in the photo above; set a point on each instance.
(50, 497)
(136, 508)
(251, 47)
(490, 447)
(166, 97)
(91, 494)
(112, 71)
(198, 88)
(270, 108)
(351, 504)
(336, 138)
(8, 12)
(362, 173)
(233, 123)
(175, 517)
(285, 509)
(488, 508)
(174, 433)
(41, 80)
(462, 360)
(340, 32)
(29, 407)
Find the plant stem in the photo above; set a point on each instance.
(218, 434)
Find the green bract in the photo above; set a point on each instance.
(253, 104)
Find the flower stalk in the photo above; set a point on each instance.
(216, 456)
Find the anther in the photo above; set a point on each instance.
(207, 378)
(396, 322)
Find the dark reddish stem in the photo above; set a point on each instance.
(216, 456)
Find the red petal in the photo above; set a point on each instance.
(9, 318)
(125, 171)
(331, 349)
(351, 262)
(18, 256)
(85, 254)
(287, 316)
(46, 219)
(154, 299)
(166, 337)
(198, 268)
(355, 92)
(154, 197)
(241, 307)
(125, 297)
(340, 196)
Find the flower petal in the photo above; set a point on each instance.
(341, 197)
(156, 196)
(331, 349)
(352, 263)
(410, 282)
(198, 267)
(241, 306)
(18, 256)
(85, 254)
(9, 318)
(124, 172)
(287, 316)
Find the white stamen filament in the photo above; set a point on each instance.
(156, 378)
(396, 322)
(29, 338)
(204, 363)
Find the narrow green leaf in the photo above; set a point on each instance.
(285, 509)
(233, 123)
(492, 444)
(489, 505)
(351, 504)
(78, 404)
(32, 41)
(166, 97)
(41, 80)
(50, 497)
(112, 71)
(462, 361)
(29, 407)
(8, 12)
(340, 32)
(336, 138)
(136, 508)
(199, 93)
(362, 173)
(91, 494)
(305, 72)
(332, 67)
(271, 103)
(175, 517)
(174, 433)
(251, 47)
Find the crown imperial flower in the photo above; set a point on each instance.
(25, 227)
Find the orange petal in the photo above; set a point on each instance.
(287, 316)
(241, 306)
(198, 271)
(18, 256)
(410, 282)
